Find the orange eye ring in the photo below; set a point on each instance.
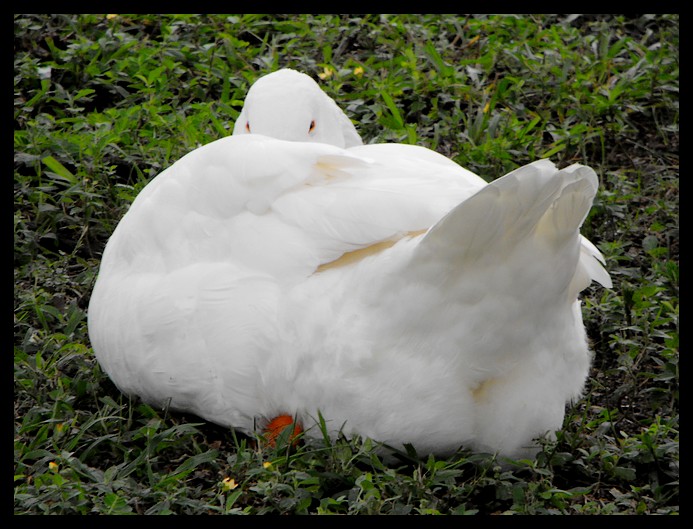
(247, 126)
(312, 127)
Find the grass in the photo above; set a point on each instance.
(104, 103)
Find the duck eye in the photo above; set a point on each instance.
(247, 126)
(312, 126)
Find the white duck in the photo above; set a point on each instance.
(381, 286)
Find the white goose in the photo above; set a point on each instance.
(294, 272)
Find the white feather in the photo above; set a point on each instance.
(382, 286)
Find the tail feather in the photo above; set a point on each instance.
(529, 218)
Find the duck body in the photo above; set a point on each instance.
(382, 287)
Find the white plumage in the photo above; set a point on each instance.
(295, 271)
